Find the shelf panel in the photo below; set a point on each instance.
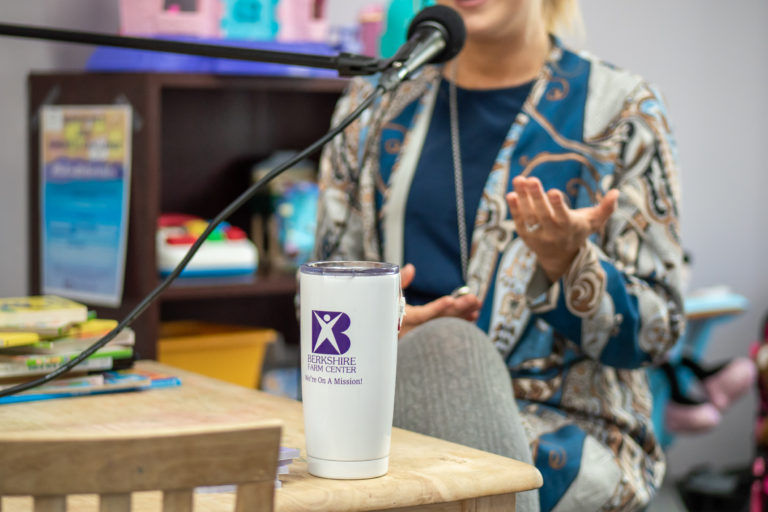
(221, 288)
(263, 83)
(251, 83)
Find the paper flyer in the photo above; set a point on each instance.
(85, 181)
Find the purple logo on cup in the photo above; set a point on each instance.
(328, 328)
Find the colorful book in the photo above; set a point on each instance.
(89, 328)
(40, 312)
(76, 343)
(24, 365)
(108, 382)
(15, 339)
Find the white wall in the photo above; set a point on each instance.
(708, 56)
(17, 58)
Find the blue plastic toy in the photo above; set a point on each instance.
(399, 16)
(250, 19)
(703, 314)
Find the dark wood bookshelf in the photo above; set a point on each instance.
(256, 286)
(195, 139)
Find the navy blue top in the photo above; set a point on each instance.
(431, 236)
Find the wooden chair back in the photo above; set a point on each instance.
(114, 465)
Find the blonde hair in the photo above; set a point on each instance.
(562, 16)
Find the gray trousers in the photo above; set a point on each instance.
(452, 384)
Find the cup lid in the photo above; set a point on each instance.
(349, 268)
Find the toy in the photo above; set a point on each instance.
(398, 17)
(152, 17)
(296, 221)
(249, 19)
(371, 21)
(226, 252)
(687, 397)
(710, 392)
(284, 215)
(302, 20)
(759, 491)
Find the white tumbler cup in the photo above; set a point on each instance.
(349, 318)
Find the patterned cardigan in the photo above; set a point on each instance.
(575, 349)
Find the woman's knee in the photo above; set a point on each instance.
(450, 346)
(447, 334)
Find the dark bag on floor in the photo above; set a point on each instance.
(707, 490)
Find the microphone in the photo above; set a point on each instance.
(435, 35)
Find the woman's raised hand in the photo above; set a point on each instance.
(550, 228)
(465, 306)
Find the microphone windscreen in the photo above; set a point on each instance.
(451, 21)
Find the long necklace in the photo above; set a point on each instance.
(458, 174)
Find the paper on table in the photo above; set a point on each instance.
(286, 457)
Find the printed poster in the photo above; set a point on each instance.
(85, 181)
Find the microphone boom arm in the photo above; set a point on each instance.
(347, 64)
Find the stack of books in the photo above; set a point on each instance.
(41, 333)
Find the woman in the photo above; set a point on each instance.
(540, 186)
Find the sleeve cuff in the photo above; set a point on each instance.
(583, 285)
(541, 293)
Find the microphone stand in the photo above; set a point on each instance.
(346, 64)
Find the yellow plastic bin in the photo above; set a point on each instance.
(226, 352)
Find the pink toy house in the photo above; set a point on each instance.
(302, 20)
(371, 19)
(152, 17)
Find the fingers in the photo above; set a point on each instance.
(560, 207)
(527, 212)
(519, 206)
(417, 315)
(604, 209)
(530, 205)
(608, 204)
(514, 206)
(407, 273)
(462, 307)
(466, 306)
(539, 201)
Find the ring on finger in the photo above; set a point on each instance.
(532, 226)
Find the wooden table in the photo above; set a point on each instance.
(425, 473)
